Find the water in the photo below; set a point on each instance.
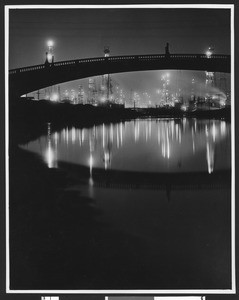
(141, 145)
(146, 206)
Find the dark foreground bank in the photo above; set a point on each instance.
(61, 239)
(64, 235)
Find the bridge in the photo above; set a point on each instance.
(32, 78)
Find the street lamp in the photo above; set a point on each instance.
(50, 44)
(50, 56)
(209, 52)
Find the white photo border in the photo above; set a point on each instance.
(124, 6)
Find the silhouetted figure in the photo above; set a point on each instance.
(167, 54)
(46, 61)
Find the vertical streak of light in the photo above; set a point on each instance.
(83, 136)
(80, 137)
(135, 132)
(210, 158)
(111, 133)
(177, 132)
(193, 139)
(195, 125)
(168, 143)
(90, 144)
(73, 135)
(206, 130)
(91, 164)
(67, 136)
(64, 134)
(121, 134)
(223, 128)
(146, 134)
(184, 124)
(91, 182)
(150, 128)
(158, 136)
(214, 131)
(56, 137)
(103, 135)
(163, 149)
(138, 130)
(117, 135)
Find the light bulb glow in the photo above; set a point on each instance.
(50, 43)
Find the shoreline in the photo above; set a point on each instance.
(29, 119)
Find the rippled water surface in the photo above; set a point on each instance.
(182, 145)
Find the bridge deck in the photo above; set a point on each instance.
(148, 57)
(32, 78)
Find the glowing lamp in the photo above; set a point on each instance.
(50, 43)
(49, 57)
(208, 53)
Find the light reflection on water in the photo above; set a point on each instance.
(151, 145)
(179, 224)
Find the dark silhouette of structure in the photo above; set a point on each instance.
(167, 54)
(28, 79)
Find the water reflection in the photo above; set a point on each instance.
(50, 156)
(161, 220)
(172, 145)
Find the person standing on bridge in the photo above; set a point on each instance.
(167, 54)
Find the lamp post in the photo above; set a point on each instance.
(50, 55)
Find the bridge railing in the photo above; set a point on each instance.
(116, 59)
(27, 69)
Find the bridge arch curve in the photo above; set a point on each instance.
(29, 79)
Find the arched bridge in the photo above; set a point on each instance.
(28, 79)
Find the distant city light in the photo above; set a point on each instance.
(183, 107)
(54, 97)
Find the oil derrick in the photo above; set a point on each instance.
(223, 83)
(224, 88)
(66, 96)
(59, 93)
(92, 92)
(165, 90)
(73, 97)
(80, 94)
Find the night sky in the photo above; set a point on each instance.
(80, 33)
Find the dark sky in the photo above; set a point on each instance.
(79, 33)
